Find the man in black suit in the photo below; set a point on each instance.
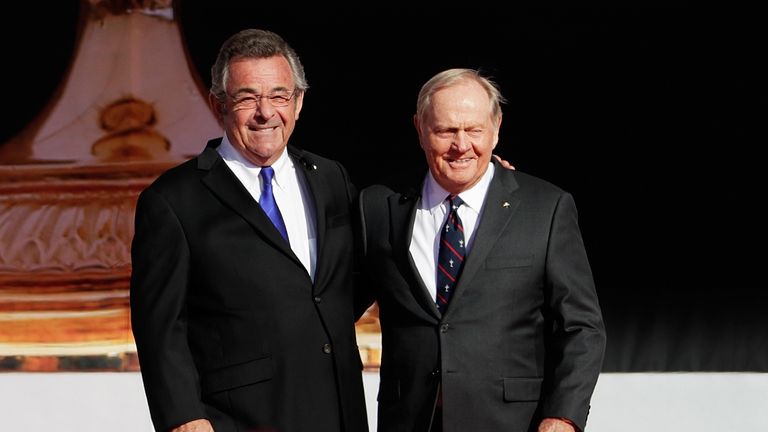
(504, 332)
(241, 292)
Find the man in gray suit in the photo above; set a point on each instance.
(503, 334)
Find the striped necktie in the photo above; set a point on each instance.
(450, 257)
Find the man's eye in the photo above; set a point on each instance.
(246, 101)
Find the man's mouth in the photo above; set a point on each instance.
(263, 129)
(459, 162)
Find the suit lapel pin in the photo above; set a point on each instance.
(505, 205)
(408, 195)
(308, 164)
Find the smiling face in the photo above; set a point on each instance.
(458, 134)
(258, 130)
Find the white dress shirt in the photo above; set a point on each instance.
(431, 214)
(291, 195)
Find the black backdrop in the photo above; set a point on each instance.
(651, 117)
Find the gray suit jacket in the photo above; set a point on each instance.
(523, 336)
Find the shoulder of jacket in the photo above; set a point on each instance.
(376, 192)
(531, 182)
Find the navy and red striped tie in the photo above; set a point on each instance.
(450, 257)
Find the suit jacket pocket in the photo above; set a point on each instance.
(500, 262)
(242, 374)
(389, 390)
(522, 389)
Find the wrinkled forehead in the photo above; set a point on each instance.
(465, 100)
(259, 74)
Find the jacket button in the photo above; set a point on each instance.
(444, 328)
(436, 372)
(327, 348)
(318, 299)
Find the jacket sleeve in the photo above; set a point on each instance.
(576, 342)
(364, 296)
(159, 281)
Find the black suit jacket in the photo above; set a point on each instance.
(522, 337)
(228, 324)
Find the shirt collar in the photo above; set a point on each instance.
(433, 194)
(282, 165)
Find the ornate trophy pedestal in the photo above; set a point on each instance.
(129, 108)
(65, 232)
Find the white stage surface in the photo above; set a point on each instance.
(637, 402)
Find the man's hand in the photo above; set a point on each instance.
(504, 163)
(555, 425)
(199, 425)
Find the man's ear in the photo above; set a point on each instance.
(417, 125)
(299, 104)
(496, 132)
(218, 108)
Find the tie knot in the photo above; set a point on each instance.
(267, 173)
(455, 202)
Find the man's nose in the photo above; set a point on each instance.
(461, 142)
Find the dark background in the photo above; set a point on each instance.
(651, 117)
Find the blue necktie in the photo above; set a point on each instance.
(268, 204)
(450, 256)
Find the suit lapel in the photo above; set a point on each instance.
(224, 184)
(319, 197)
(499, 207)
(403, 215)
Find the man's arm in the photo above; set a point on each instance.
(576, 343)
(160, 261)
(364, 296)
